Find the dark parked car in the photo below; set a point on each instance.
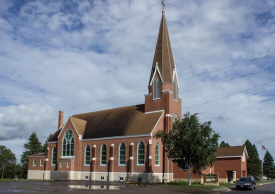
(246, 183)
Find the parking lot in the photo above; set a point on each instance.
(89, 187)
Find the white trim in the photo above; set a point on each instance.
(157, 123)
(143, 153)
(229, 156)
(156, 70)
(93, 158)
(156, 98)
(132, 143)
(85, 150)
(168, 115)
(100, 154)
(150, 141)
(150, 157)
(175, 74)
(117, 137)
(69, 128)
(131, 158)
(154, 111)
(148, 94)
(111, 158)
(52, 142)
(75, 128)
(112, 145)
(157, 144)
(167, 91)
(94, 146)
(37, 156)
(66, 157)
(119, 149)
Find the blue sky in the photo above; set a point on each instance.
(72, 55)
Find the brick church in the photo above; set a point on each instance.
(118, 144)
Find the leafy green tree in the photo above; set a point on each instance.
(44, 147)
(223, 144)
(253, 162)
(191, 142)
(32, 147)
(268, 165)
(7, 163)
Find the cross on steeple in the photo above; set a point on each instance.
(163, 5)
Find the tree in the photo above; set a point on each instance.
(32, 147)
(7, 163)
(45, 146)
(268, 165)
(253, 162)
(192, 143)
(223, 144)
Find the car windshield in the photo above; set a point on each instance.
(245, 179)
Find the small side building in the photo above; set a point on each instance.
(231, 163)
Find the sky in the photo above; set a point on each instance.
(84, 56)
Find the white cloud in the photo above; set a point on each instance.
(55, 55)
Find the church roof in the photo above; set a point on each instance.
(232, 151)
(124, 121)
(163, 54)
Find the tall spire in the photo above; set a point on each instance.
(163, 54)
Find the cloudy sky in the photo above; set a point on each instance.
(84, 56)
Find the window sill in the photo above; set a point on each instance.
(53, 164)
(87, 165)
(156, 98)
(157, 165)
(122, 165)
(103, 164)
(66, 157)
(140, 164)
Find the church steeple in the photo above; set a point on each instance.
(163, 58)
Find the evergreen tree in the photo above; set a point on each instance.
(44, 148)
(32, 147)
(192, 143)
(7, 163)
(253, 162)
(223, 144)
(268, 165)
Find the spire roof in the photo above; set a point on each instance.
(163, 54)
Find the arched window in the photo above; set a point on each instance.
(175, 117)
(122, 153)
(156, 88)
(68, 143)
(141, 153)
(87, 155)
(54, 156)
(157, 154)
(175, 89)
(103, 155)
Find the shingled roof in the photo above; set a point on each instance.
(124, 121)
(232, 151)
(163, 54)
